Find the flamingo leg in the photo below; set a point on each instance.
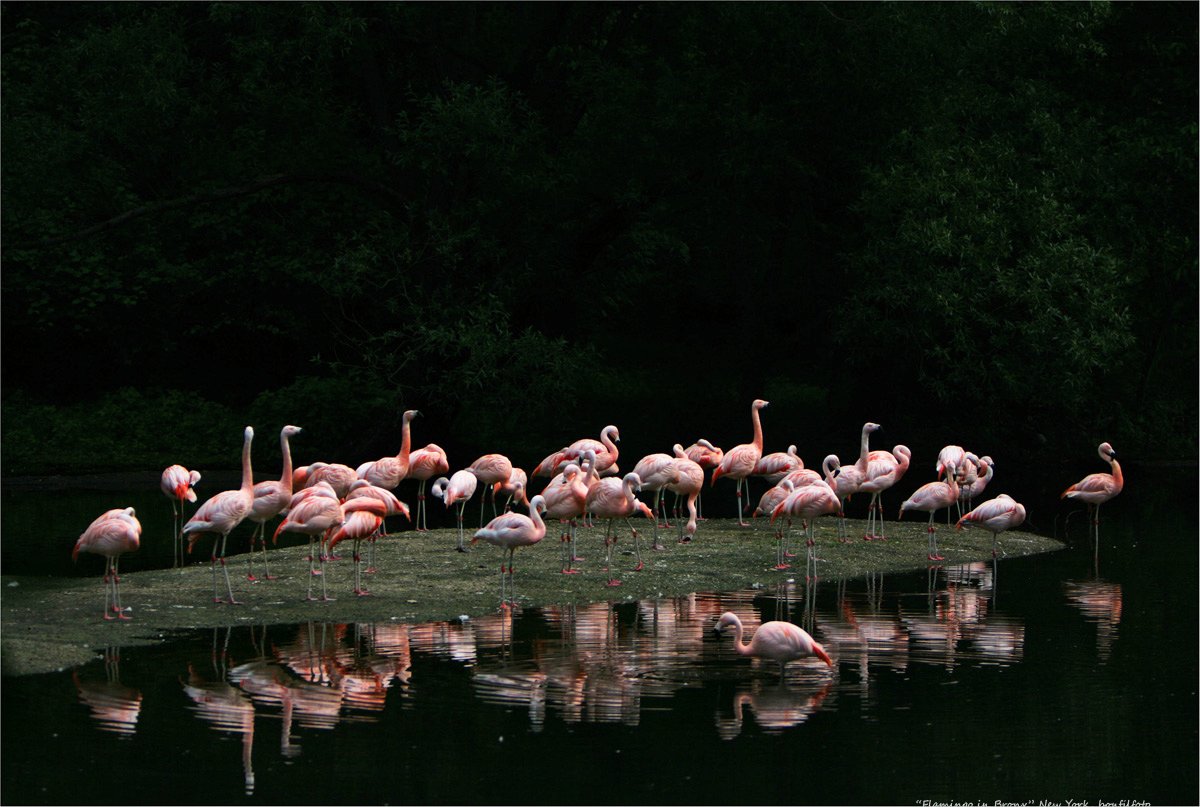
(637, 545)
(462, 505)
(608, 545)
(262, 545)
(225, 570)
(250, 555)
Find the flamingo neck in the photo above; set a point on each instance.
(743, 649)
(608, 442)
(285, 481)
(1117, 476)
(758, 437)
(247, 473)
(864, 451)
(405, 440)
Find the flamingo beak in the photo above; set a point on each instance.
(820, 653)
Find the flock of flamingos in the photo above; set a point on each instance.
(331, 503)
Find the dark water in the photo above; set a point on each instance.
(1032, 678)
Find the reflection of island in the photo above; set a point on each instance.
(1100, 602)
(114, 706)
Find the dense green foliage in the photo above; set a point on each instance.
(973, 221)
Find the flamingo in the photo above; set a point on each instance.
(996, 515)
(314, 515)
(977, 485)
(884, 469)
(738, 463)
(706, 455)
(363, 517)
(930, 498)
(950, 455)
(774, 467)
(424, 464)
(514, 486)
(112, 534)
(458, 488)
(270, 499)
(564, 499)
(688, 483)
(362, 489)
(554, 464)
(490, 469)
(780, 642)
(808, 502)
(766, 505)
(605, 448)
(614, 498)
(510, 531)
(176, 485)
(340, 477)
(845, 481)
(389, 472)
(657, 471)
(223, 512)
(1096, 489)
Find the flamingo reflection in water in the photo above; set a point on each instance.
(1100, 601)
(225, 707)
(114, 706)
(776, 707)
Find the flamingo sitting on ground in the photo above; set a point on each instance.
(112, 534)
(707, 456)
(488, 470)
(738, 463)
(363, 517)
(780, 642)
(425, 464)
(510, 531)
(389, 472)
(458, 488)
(996, 515)
(221, 513)
(270, 499)
(176, 484)
(614, 498)
(773, 467)
(688, 483)
(930, 498)
(1096, 489)
(314, 515)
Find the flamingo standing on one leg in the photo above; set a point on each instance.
(996, 515)
(363, 518)
(488, 470)
(689, 481)
(425, 464)
(176, 484)
(614, 498)
(930, 498)
(1096, 489)
(221, 513)
(738, 463)
(270, 499)
(510, 531)
(565, 497)
(780, 642)
(707, 456)
(884, 469)
(656, 472)
(112, 534)
(460, 487)
(314, 515)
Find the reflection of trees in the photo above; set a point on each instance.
(1100, 602)
(114, 706)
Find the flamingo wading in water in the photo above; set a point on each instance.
(1096, 489)
(111, 535)
(780, 642)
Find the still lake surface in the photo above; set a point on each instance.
(1053, 677)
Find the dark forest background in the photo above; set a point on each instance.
(973, 223)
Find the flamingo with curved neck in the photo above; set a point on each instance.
(510, 531)
(780, 642)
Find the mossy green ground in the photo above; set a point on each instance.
(53, 623)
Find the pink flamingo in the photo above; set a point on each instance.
(221, 513)
(514, 486)
(780, 642)
(323, 489)
(270, 499)
(950, 455)
(996, 515)
(565, 497)
(1096, 489)
(362, 489)
(930, 498)
(424, 464)
(774, 467)
(766, 506)
(884, 469)
(657, 471)
(176, 485)
(801, 477)
(510, 531)
(556, 462)
(363, 517)
(613, 498)
(845, 481)
(689, 481)
(968, 492)
(458, 488)
(605, 448)
(112, 534)
(707, 456)
(738, 463)
(314, 515)
(808, 502)
(389, 472)
(339, 477)
(488, 470)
